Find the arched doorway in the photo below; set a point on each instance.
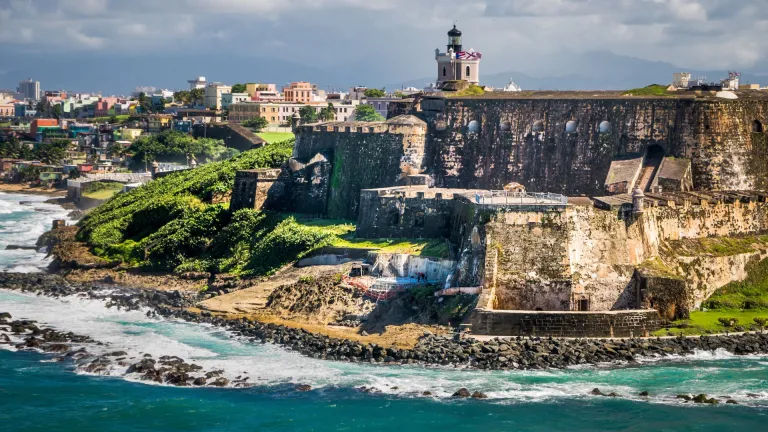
(757, 126)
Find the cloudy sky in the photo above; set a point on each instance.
(116, 45)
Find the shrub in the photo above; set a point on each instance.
(760, 321)
(728, 322)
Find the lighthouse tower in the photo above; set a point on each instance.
(456, 64)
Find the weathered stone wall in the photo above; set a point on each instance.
(402, 213)
(252, 188)
(363, 157)
(529, 141)
(551, 260)
(565, 324)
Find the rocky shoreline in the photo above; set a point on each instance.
(497, 354)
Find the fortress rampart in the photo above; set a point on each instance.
(565, 143)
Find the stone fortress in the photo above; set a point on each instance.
(574, 212)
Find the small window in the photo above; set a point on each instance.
(571, 126)
(468, 72)
(445, 71)
(418, 220)
(394, 218)
(605, 127)
(757, 126)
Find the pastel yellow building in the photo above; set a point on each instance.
(130, 134)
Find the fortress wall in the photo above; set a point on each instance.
(549, 260)
(715, 135)
(424, 214)
(361, 158)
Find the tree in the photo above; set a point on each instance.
(228, 153)
(51, 154)
(113, 119)
(145, 103)
(56, 111)
(328, 113)
(197, 96)
(257, 123)
(183, 96)
(238, 88)
(29, 173)
(367, 113)
(375, 93)
(115, 149)
(308, 114)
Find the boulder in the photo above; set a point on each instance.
(220, 382)
(701, 398)
(462, 393)
(303, 387)
(479, 395)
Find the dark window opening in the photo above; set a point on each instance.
(757, 126)
(418, 220)
(584, 305)
(394, 218)
(468, 72)
(445, 71)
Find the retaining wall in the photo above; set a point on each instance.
(633, 323)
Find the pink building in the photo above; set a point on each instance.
(300, 91)
(103, 105)
(267, 96)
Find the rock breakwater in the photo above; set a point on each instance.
(497, 354)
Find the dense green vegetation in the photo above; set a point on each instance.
(651, 90)
(750, 294)
(177, 224)
(367, 113)
(256, 123)
(738, 304)
(48, 153)
(375, 93)
(174, 145)
(144, 225)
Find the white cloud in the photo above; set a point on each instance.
(513, 34)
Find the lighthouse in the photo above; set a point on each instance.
(456, 64)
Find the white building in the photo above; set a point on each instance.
(456, 64)
(198, 83)
(681, 80)
(228, 99)
(213, 93)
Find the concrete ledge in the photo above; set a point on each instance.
(626, 323)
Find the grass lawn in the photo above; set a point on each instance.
(651, 90)
(345, 230)
(706, 322)
(275, 137)
(105, 192)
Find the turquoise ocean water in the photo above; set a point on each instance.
(39, 395)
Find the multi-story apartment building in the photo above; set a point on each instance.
(213, 93)
(300, 91)
(228, 99)
(252, 88)
(280, 113)
(29, 89)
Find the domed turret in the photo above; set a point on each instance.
(454, 40)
